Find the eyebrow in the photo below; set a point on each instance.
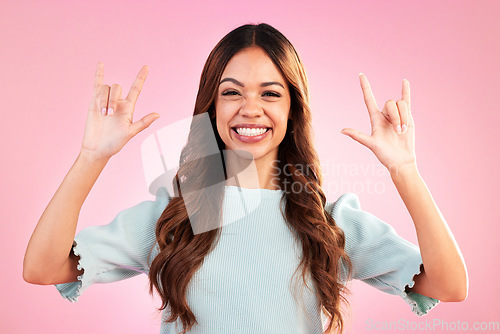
(264, 84)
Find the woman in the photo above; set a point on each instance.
(287, 253)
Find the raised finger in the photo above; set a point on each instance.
(98, 78)
(403, 114)
(115, 94)
(406, 94)
(99, 75)
(103, 99)
(391, 109)
(368, 96)
(136, 88)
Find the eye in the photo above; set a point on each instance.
(230, 93)
(272, 94)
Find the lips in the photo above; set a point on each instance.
(250, 125)
(249, 139)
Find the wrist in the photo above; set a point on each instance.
(92, 157)
(403, 171)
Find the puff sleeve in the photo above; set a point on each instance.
(118, 250)
(379, 256)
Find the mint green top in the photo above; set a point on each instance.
(244, 285)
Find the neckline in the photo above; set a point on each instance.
(252, 189)
(236, 191)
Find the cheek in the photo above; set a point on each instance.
(282, 115)
(224, 113)
(220, 111)
(221, 122)
(220, 128)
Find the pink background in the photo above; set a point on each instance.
(448, 50)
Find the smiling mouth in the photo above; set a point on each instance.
(250, 132)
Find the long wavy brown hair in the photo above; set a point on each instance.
(181, 251)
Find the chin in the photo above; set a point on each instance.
(248, 154)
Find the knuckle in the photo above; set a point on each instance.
(135, 89)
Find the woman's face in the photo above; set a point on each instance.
(252, 94)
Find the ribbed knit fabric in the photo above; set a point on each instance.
(244, 285)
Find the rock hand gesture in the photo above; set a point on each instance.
(49, 257)
(444, 275)
(109, 123)
(393, 136)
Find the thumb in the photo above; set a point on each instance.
(357, 136)
(144, 123)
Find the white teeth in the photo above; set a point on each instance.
(250, 131)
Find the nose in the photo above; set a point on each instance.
(251, 108)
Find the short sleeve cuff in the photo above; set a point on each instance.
(71, 291)
(420, 304)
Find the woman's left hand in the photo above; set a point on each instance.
(393, 133)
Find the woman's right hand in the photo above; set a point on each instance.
(109, 123)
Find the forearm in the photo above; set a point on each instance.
(443, 262)
(50, 245)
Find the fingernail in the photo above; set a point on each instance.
(398, 129)
(404, 128)
(104, 111)
(110, 111)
